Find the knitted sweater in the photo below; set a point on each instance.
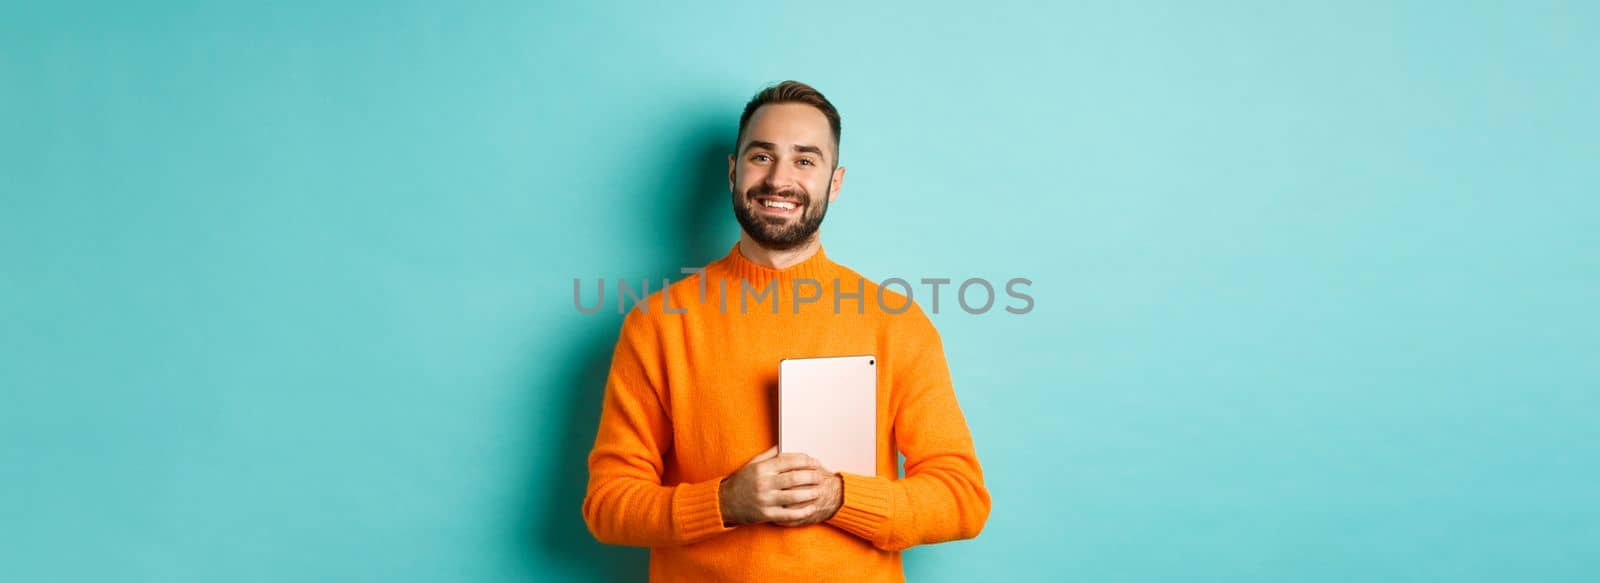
(691, 397)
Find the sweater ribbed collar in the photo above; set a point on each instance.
(817, 267)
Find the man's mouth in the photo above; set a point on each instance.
(778, 206)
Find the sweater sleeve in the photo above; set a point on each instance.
(625, 502)
(942, 496)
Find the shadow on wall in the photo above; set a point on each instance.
(696, 228)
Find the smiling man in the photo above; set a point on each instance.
(685, 460)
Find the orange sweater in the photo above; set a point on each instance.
(691, 397)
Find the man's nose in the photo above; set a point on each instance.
(779, 177)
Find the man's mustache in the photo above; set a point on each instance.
(764, 190)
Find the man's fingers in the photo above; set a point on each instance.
(773, 498)
(787, 462)
(795, 478)
(797, 496)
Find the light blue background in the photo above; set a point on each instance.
(285, 289)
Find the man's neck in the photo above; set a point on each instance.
(777, 259)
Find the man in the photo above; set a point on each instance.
(684, 461)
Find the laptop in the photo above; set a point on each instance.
(828, 409)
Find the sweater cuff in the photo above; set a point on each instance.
(868, 504)
(697, 510)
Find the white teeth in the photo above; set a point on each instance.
(778, 204)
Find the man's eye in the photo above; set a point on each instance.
(806, 162)
(759, 157)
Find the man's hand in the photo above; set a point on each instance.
(830, 496)
(789, 490)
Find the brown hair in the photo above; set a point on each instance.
(792, 92)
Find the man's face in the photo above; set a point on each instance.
(783, 175)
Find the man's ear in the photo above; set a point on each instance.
(730, 173)
(838, 181)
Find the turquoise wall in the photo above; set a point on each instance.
(286, 289)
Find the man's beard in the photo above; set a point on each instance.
(771, 233)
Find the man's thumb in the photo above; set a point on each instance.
(765, 455)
